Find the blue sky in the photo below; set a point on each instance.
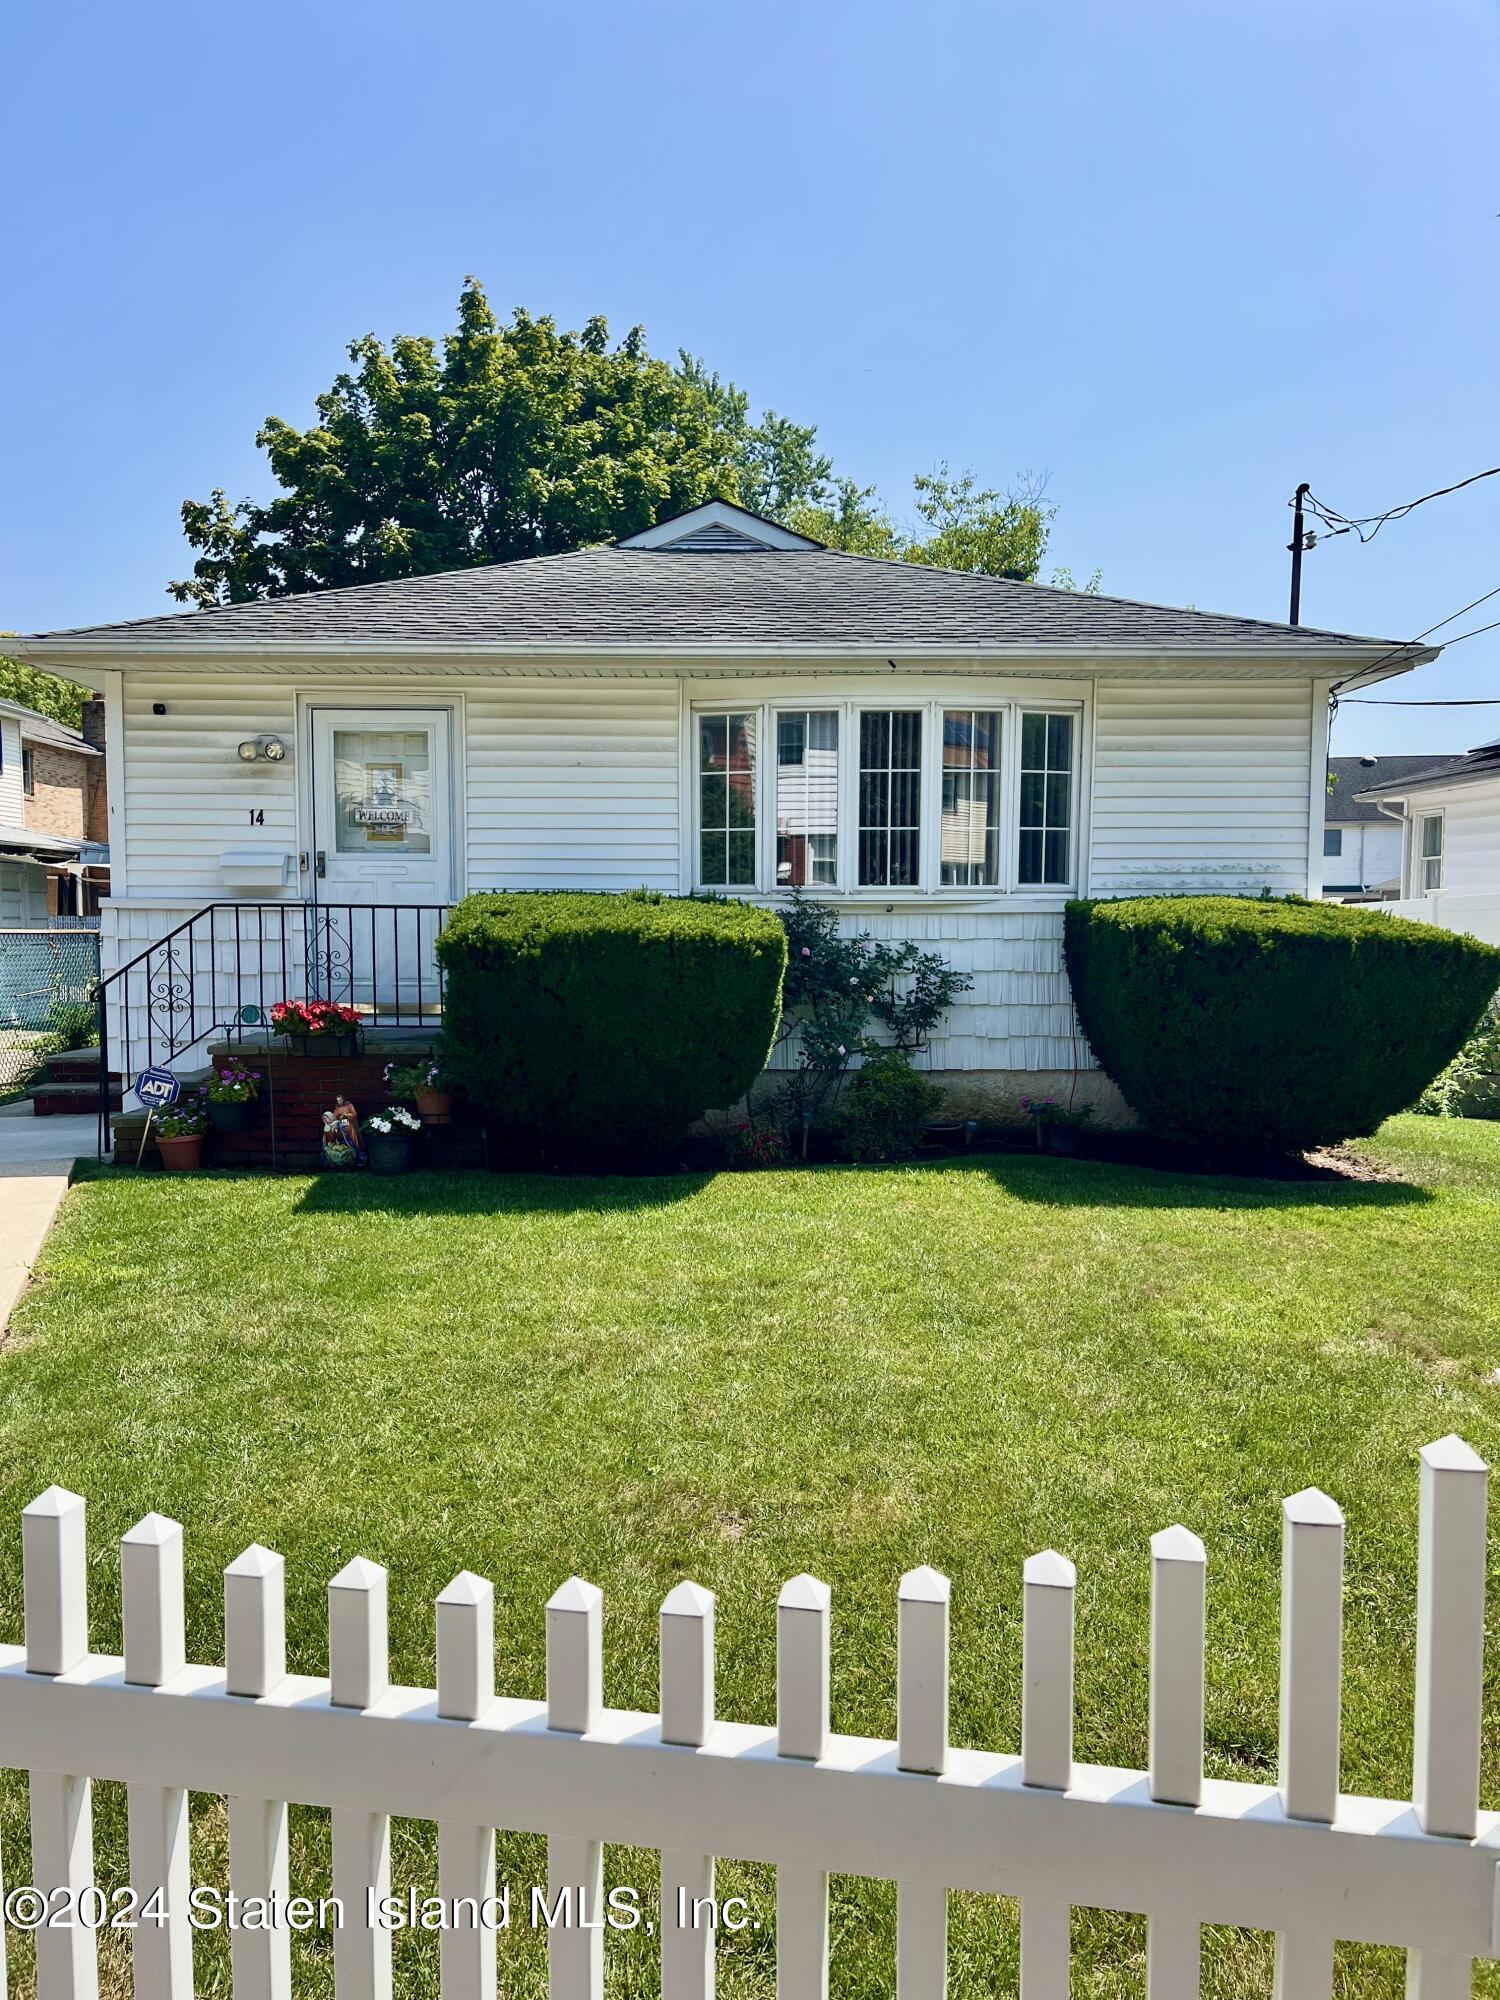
(1178, 257)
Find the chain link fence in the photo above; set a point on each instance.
(49, 974)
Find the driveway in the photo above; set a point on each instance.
(36, 1157)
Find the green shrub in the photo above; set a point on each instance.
(1280, 1025)
(604, 1025)
(884, 1107)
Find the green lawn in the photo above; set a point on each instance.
(740, 1377)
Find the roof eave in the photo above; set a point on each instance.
(87, 656)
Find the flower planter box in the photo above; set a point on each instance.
(182, 1154)
(389, 1152)
(435, 1107)
(349, 1042)
(1055, 1138)
(232, 1114)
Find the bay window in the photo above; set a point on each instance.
(1046, 798)
(867, 797)
(890, 797)
(807, 798)
(969, 837)
(726, 800)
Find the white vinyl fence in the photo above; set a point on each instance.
(1301, 1860)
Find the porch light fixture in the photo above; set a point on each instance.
(271, 748)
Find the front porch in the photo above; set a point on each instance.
(205, 981)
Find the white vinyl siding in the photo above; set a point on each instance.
(1470, 846)
(572, 785)
(1202, 786)
(188, 795)
(12, 805)
(590, 782)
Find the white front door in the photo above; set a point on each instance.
(381, 810)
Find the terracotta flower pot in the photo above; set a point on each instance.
(182, 1154)
(435, 1107)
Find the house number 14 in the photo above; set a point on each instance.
(257, 815)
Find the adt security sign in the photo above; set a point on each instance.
(157, 1088)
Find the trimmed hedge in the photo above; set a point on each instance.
(1277, 1025)
(604, 1025)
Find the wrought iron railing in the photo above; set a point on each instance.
(200, 978)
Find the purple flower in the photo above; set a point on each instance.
(806, 951)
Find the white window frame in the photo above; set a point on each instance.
(768, 708)
(1423, 859)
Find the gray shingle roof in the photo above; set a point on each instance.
(1354, 775)
(629, 596)
(1483, 762)
(37, 728)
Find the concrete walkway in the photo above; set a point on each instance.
(36, 1156)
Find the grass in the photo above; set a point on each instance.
(849, 1371)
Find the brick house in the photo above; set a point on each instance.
(54, 815)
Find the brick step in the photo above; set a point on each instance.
(54, 1100)
(73, 1064)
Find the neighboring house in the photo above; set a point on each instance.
(304, 784)
(1361, 840)
(54, 816)
(1448, 810)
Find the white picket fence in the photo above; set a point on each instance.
(1301, 1860)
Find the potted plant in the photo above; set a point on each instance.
(333, 1028)
(179, 1134)
(1057, 1126)
(388, 1137)
(426, 1085)
(231, 1092)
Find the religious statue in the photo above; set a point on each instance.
(342, 1143)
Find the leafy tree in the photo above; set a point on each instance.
(62, 700)
(506, 441)
(979, 528)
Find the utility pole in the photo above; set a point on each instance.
(1296, 545)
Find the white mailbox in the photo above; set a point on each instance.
(260, 869)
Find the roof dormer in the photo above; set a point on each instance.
(718, 528)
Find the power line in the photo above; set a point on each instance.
(1368, 526)
(1336, 700)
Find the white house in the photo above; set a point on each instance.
(1361, 841)
(1448, 813)
(299, 787)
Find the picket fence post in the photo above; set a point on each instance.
(358, 1677)
(1454, 1497)
(1048, 1587)
(803, 1622)
(575, 1701)
(922, 1609)
(55, 1587)
(687, 1716)
(1179, 1569)
(151, 1590)
(260, 1961)
(466, 1854)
